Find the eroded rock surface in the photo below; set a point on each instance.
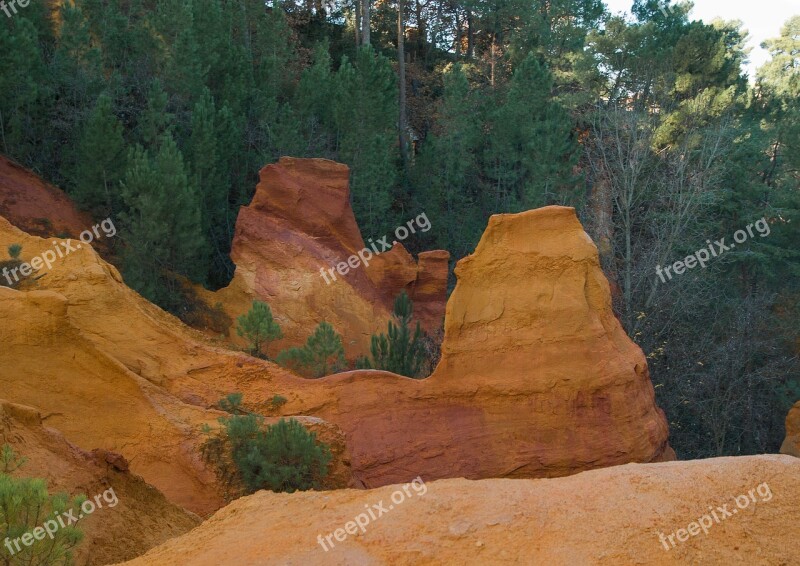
(300, 221)
(112, 371)
(612, 516)
(134, 518)
(537, 377)
(35, 206)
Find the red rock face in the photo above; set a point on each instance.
(300, 221)
(35, 206)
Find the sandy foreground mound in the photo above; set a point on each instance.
(720, 511)
(134, 518)
(791, 445)
(300, 221)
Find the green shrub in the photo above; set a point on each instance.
(14, 250)
(232, 404)
(258, 327)
(283, 457)
(322, 355)
(276, 402)
(25, 504)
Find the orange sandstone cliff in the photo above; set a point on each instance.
(300, 221)
(537, 377)
(112, 371)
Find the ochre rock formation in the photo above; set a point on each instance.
(35, 206)
(791, 445)
(299, 221)
(537, 377)
(142, 517)
(609, 517)
(112, 371)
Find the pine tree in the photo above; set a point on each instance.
(100, 161)
(365, 111)
(284, 457)
(78, 81)
(323, 353)
(208, 175)
(400, 351)
(155, 120)
(25, 504)
(447, 171)
(258, 327)
(162, 231)
(312, 102)
(24, 102)
(531, 151)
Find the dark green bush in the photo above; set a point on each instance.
(322, 355)
(401, 351)
(258, 327)
(283, 457)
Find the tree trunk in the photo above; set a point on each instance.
(492, 62)
(401, 71)
(422, 32)
(365, 9)
(458, 36)
(470, 36)
(357, 27)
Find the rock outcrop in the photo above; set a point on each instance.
(111, 371)
(791, 445)
(537, 377)
(300, 221)
(140, 519)
(35, 206)
(611, 516)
